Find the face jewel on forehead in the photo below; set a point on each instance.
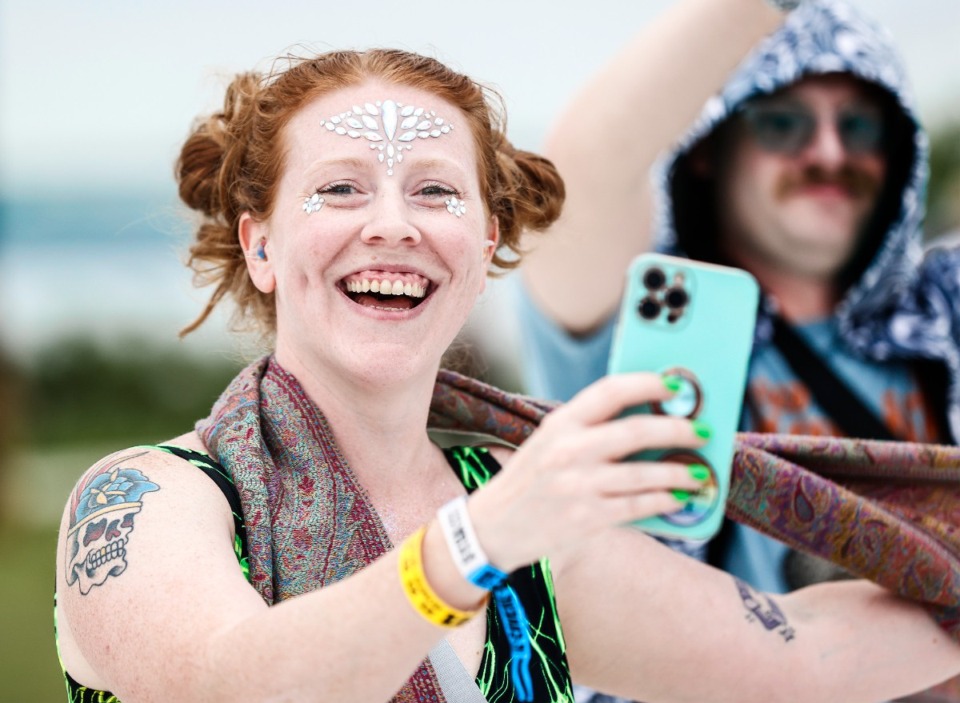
(389, 126)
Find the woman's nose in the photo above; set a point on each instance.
(389, 222)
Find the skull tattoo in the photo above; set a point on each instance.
(101, 520)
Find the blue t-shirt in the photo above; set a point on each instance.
(556, 365)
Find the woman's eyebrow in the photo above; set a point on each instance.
(432, 163)
(344, 162)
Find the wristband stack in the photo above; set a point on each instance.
(473, 564)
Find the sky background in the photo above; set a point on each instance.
(98, 94)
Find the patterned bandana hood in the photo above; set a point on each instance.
(825, 36)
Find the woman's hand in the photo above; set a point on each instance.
(569, 481)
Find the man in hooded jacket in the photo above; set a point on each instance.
(807, 169)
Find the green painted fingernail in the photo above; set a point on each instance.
(702, 429)
(682, 496)
(673, 383)
(699, 472)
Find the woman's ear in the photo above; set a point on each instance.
(489, 247)
(255, 242)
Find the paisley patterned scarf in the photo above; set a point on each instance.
(301, 502)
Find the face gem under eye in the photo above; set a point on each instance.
(398, 125)
(312, 204)
(456, 206)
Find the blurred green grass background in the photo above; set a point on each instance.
(60, 412)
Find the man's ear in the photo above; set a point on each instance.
(255, 242)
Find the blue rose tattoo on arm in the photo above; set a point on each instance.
(102, 509)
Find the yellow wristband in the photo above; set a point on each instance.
(423, 598)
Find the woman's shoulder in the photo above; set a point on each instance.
(123, 479)
(161, 456)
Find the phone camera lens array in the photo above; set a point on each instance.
(673, 297)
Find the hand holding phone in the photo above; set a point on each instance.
(693, 322)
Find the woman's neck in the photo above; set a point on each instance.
(378, 426)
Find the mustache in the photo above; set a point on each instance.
(857, 182)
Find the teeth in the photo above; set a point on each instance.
(414, 290)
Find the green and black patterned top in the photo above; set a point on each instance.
(533, 585)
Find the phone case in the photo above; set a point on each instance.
(695, 321)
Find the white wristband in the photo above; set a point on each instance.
(464, 546)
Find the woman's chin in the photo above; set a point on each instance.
(386, 365)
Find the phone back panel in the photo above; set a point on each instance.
(696, 321)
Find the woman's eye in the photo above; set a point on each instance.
(338, 189)
(435, 189)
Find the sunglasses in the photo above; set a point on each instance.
(788, 128)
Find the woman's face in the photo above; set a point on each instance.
(378, 244)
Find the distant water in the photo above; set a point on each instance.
(109, 267)
(112, 268)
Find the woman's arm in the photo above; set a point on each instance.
(650, 624)
(605, 142)
(180, 622)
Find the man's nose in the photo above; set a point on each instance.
(826, 146)
(389, 222)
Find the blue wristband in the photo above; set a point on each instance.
(487, 576)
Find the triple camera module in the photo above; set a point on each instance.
(660, 297)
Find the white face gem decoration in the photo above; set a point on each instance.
(312, 204)
(456, 206)
(398, 125)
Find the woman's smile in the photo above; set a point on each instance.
(387, 290)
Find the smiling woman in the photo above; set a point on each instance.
(518, 189)
(309, 541)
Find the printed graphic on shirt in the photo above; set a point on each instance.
(890, 389)
(788, 408)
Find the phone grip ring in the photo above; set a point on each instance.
(703, 502)
(687, 401)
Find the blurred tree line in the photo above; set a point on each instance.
(79, 392)
(944, 193)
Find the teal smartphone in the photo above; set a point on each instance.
(693, 321)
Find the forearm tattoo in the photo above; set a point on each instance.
(761, 608)
(101, 510)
